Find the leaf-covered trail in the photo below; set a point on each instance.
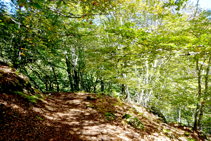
(82, 120)
(70, 116)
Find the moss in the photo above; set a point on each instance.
(189, 139)
(119, 101)
(88, 106)
(133, 121)
(110, 114)
(1, 71)
(126, 116)
(187, 134)
(30, 98)
(166, 130)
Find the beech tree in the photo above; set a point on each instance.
(154, 53)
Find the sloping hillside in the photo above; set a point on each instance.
(77, 116)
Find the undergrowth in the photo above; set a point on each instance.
(30, 98)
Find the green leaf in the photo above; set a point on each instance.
(39, 117)
(37, 5)
(59, 3)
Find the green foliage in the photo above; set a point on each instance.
(110, 114)
(30, 98)
(132, 54)
(190, 139)
(38, 96)
(166, 130)
(39, 118)
(119, 101)
(126, 116)
(187, 134)
(99, 95)
(134, 110)
(17, 72)
(133, 121)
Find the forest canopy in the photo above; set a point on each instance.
(150, 52)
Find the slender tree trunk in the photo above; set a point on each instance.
(43, 79)
(205, 93)
(76, 80)
(17, 45)
(55, 77)
(198, 96)
(82, 81)
(122, 87)
(47, 83)
(179, 117)
(102, 85)
(127, 93)
(201, 112)
(197, 6)
(69, 74)
(32, 80)
(51, 86)
(95, 85)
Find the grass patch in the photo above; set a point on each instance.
(30, 98)
(189, 139)
(166, 131)
(187, 134)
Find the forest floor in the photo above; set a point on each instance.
(73, 116)
(78, 116)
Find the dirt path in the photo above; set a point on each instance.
(70, 116)
(83, 121)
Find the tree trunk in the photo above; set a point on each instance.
(82, 81)
(201, 112)
(46, 83)
(198, 96)
(32, 80)
(69, 74)
(55, 77)
(76, 80)
(122, 87)
(205, 93)
(179, 117)
(102, 85)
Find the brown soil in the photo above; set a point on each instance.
(70, 116)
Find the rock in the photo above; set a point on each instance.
(133, 121)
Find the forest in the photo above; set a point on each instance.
(147, 52)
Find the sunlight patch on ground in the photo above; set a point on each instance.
(3, 102)
(76, 101)
(37, 110)
(73, 123)
(108, 130)
(63, 116)
(67, 115)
